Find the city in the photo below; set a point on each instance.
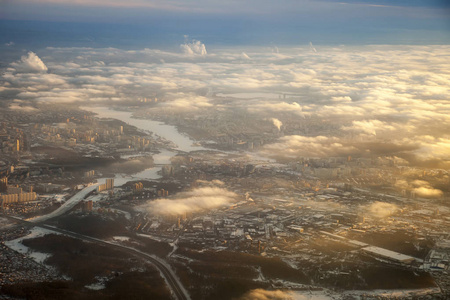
(317, 224)
(235, 150)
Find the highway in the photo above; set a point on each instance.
(167, 273)
(68, 205)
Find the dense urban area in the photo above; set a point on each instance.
(83, 196)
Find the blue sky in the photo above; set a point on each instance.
(254, 22)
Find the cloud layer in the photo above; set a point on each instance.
(372, 100)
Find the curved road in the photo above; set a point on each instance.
(68, 205)
(167, 273)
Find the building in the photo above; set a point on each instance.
(388, 254)
(86, 206)
(109, 183)
(15, 198)
(138, 187)
(89, 174)
(14, 190)
(3, 184)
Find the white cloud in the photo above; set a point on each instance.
(369, 127)
(381, 210)
(194, 48)
(421, 188)
(297, 146)
(180, 102)
(30, 63)
(277, 123)
(428, 192)
(22, 108)
(271, 107)
(396, 106)
(245, 56)
(204, 198)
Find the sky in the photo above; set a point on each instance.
(140, 23)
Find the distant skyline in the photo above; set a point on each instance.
(119, 23)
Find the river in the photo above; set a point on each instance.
(168, 132)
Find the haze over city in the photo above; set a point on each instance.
(224, 150)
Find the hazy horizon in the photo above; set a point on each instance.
(157, 24)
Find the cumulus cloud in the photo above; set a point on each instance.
(420, 188)
(30, 63)
(428, 192)
(204, 198)
(381, 210)
(194, 48)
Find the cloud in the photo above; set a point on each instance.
(194, 48)
(312, 47)
(30, 63)
(424, 189)
(204, 198)
(260, 294)
(180, 102)
(22, 108)
(245, 56)
(428, 192)
(381, 210)
(277, 123)
(369, 127)
(271, 107)
(420, 188)
(297, 146)
(355, 98)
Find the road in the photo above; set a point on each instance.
(165, 270)
(69, 204)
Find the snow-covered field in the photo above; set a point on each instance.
(21, 248)
(126, 214)
(4, 223)
(121, 238)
